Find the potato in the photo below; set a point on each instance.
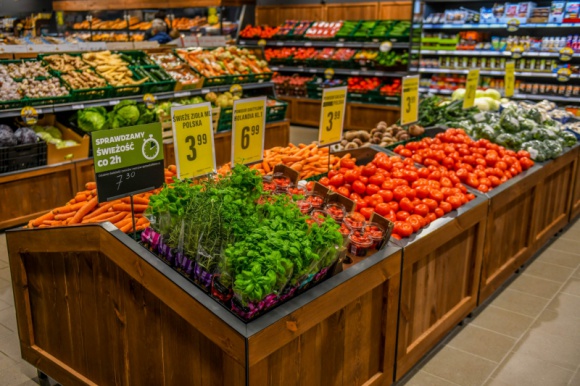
(351, 145)
(350, 135)
(364, 135)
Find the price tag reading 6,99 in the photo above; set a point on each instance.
(332, 115)
(193, 134)
(410, 100)
(248, 130)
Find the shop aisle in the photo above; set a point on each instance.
(528, 335)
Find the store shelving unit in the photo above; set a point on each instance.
(438, 85)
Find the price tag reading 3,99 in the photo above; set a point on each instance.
(471, 88)
(509, 78)
(193, 135)
(332, 116)
(248, 130)
(410, 100)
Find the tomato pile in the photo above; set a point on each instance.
(395, 188)
(264, 32)
(480, 164)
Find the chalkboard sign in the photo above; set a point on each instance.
(128, 160)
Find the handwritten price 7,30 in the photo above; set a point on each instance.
(120, 180)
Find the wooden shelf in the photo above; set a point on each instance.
(94, 5)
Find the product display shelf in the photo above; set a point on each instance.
(534, 97)
(497, 26)
(338, 71)
(530, 54)
(494, 73)
(107, 289)
(323, 43)
(113, 101)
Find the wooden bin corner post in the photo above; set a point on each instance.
(509, 241)
(575, 207)
(345, 337)
(440, 282)
(554, 200)
(93, 311)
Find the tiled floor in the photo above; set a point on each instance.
(528, 335)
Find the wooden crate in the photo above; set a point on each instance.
(365, 116)
(440, 281)
(575, 207)
(509, 241)
(85, 171)
(85, 295)
(554, 200)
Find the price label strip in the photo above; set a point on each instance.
(248, 130)
(193, 134)
(509, 78)
(470, 88)
(410, 100)
(332, 116)
(128, 160)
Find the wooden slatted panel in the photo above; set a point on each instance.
(99, 5)
(395, 10)
(85, 171)
(555, 197)
(266, 15)
(361, 116)
(440, 282)
(353, 11)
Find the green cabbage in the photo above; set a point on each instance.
(92, 119)
(125, 114)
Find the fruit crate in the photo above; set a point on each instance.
(137, 58)
(276, 112)
(47, 100)
(156, 86)
(262, 77)
(11, 104)
(342, 35)
(50, 69)
(377, 33)
(87, 94)
(376, 96)
(357, 35)
(21, 157)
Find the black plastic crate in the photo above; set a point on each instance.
(21, 157)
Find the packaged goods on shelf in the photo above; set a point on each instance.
(291, 85)
(323, 30)
(549, 89)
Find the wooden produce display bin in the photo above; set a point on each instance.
(509, 237)
(555, 192)
(440, 280)
(55, 155)
(575, 207)
(95, 307)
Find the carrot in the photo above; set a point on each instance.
(52, 223)
(266, 167)
(63, 209)
(64, 216)
(123, 221)
(296, 166)
(136, 200)
(82, 212)
(172, 169)
(80, 197)
(47, 216)
(102, 217)
(291, 159)
(90, 185)
(127, 228)
(142, 221)
(127, 207)
(115, 218)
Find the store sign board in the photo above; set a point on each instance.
(509, 78)
(193, 136)
(248, 130)
(470, 88)
(410, 100)
(332, 115)
(128, 160)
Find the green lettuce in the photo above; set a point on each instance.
(92, 119)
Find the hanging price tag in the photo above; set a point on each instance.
(128, 160)
(410, 100)
(509, 78)
(149, 100)
(29, 115)
(248, 130)
(563, 74)
(332, 115)
(193, 137)
(470, 88)
(513, 25)
(566, 54)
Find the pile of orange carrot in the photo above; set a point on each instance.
(84, 208)
(309, 160)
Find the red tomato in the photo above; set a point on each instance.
(324, 181)
(351, 176)
(454, 201)
(378, 198)
(372, 189)
(399, 193)
(422, 191)
(421, 210)
(360, 204)
(483, 188)
(387, 195)
(377, 179)
(431, 217)
(337, 180)
(403, 228)
(369, 170)
(447, 207)
(367, 212)
(411, 194)
(402, 215)
(406, 205)
(332, 173)
(394, 205)
(347, 163)
(344, 191)
(371, 202)
(439, 212)
(415, 223)
(359, 187)
(436, 195)
(310, 185)
(383, 209)
(388, 185)
(363, 179)
(355, 196)
(419, 218)
(431, 203)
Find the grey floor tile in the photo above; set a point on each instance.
(6, 295)
(522, 370)
(30, 382)
(459, 367)
(566, 245)
(567, 305)
(576, 274)
(572, 287)
(503, 321)
(562, 258)
(5, 274)
(8, 319)
(422, 378)
(520, 302)
(495, 382)
(11, 373)
(10, 344)
(484, 343)
(563, 351)
(2, 239)
(549, 271)
(554, 323)
(575, 381)
(535, 286)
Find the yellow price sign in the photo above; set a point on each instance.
(248, 130)
(193, 138)
(410, 100)
(332, 115)
(509, 78)
(471, 88)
